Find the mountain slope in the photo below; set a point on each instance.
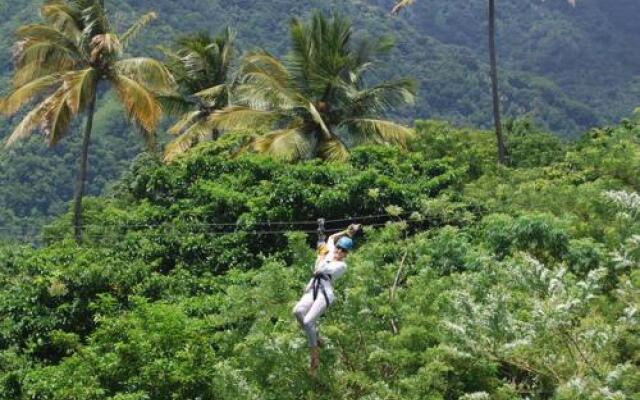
(568, 68)
(582, 56)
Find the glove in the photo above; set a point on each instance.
(353, 229)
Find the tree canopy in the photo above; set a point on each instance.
(317, 101)
(553, 58)
(473, 281)
(202, 68)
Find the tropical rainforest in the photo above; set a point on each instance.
(567, 68)
(213, 135)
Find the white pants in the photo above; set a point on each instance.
(307, 312)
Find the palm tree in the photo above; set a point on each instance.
(61, 63)
(502, 151)
(201, 67)
(316, 103)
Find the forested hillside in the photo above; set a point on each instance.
(566, 68)
(471, 281)
(580, 58)
(484, 270)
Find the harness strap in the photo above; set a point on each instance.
(318, 286)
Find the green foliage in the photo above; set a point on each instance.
(60, 62)
(36, 182)
(541, 235)
(437, 43)
(201, 67)
(60, 65)
(529, 146)
(318, 101)
(484, 283)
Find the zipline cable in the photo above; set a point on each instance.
(172, 231)
(236, 224)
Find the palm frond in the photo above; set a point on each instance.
(16, 99)
(57, 117)
(239, 117)
(319, 120)
(266, 83)
(63, 17)
(42, 50)
(95, 21)
(42, 58)
(333, 150)
(140, 104)
(196, 133)
(45, 33)
(311, 62)
(382, 97)
(201, 62)
(263, 93)
(174, 104)
(29, 122)
(149, 72)
(377, 130)
(213, 93)
(185, 121)
(227, 50)
(285, 144)
(300, 57)
(365, 52)
(265, 63)
(81, 86)
(198, 64)
(135, 29)
(356, 74)
(400, 5)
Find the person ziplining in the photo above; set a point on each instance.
(318, 294)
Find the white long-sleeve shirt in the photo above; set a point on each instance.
(328, 266)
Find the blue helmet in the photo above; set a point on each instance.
(345, 243)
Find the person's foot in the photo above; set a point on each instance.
(315, 360)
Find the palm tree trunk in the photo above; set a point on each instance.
(502, 153)
(82, 175)
(151, 140)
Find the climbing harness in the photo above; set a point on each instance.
(317, 286)
(307, 310)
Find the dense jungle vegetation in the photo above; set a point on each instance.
(569, 68)
(483, 282)
(175, 277)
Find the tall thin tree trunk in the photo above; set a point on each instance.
(151, 140)
(502, 153)
(82, 174)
